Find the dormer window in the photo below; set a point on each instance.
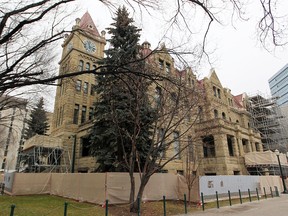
(161, 64)
(168, 68)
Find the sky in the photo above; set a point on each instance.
(238, 58)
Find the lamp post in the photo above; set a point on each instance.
(281, 173)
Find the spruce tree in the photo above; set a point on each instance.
(123, 114)
(38, 121)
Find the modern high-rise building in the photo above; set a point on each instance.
(278, 84)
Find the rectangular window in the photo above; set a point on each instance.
(76, 114)
(161, 142)
(219, 93)
(87, 66)
(92, 90)
(168, 68)
(161, 64)
(176, 144)
(90, 113)
(230, 145)
(78, 85)
(208, 146)
(245, 144)
(215, 91)
(80, 67)
(83, 114)
(190, 149)
(85, 87)
(85, 143)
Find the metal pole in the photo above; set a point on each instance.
(282, 177)
(12, 210)
(271, 192)
(249, 195)
(106, 208)
(138, 201)
(240, 196)
(257, 193)
(65, 208)
(217, 200)
(229, 195)
(73, 154)
(265, 192)
(164, 205)
(202, 199)
(185, 204)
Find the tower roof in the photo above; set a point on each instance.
(87, 24)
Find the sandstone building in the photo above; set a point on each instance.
(219, 132)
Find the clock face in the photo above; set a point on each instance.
(89, 46)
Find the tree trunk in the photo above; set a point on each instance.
(144, 181)
(132, 191)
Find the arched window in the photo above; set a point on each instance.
(81, 64)
(215, 113)
(200, 113)
(189, 81)
(158, 95)
(215, 91)
(3, 163)
(87, 66)
(223, 115)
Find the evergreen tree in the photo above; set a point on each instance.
(38, 122)
(123, 114)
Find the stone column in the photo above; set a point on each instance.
(253, 145)
(235, 146)
(249, 146)
(240, 145)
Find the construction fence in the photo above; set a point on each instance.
(115, 187)
(98, 187)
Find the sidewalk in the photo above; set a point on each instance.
(277, 206)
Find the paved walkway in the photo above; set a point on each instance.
(277, 206)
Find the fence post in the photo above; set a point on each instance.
(12, 210)
(271, 192)
(65, 208)
(249, 195)
(138, 203)
(202, 200)
(164, 205)
(265, 192)
(229, 195)
(217, 200)
(2, 188)
(276, 191)
(185, 204)
(240, 196)
(257, 193)
(106, 208)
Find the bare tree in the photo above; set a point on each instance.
(24, 43)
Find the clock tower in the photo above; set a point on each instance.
(75, 96)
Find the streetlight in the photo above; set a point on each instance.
(281, 173)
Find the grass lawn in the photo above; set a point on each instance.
(52, 205)
(46, 205)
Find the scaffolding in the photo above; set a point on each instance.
(42, 154)
(266, 163)
(265, 117)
